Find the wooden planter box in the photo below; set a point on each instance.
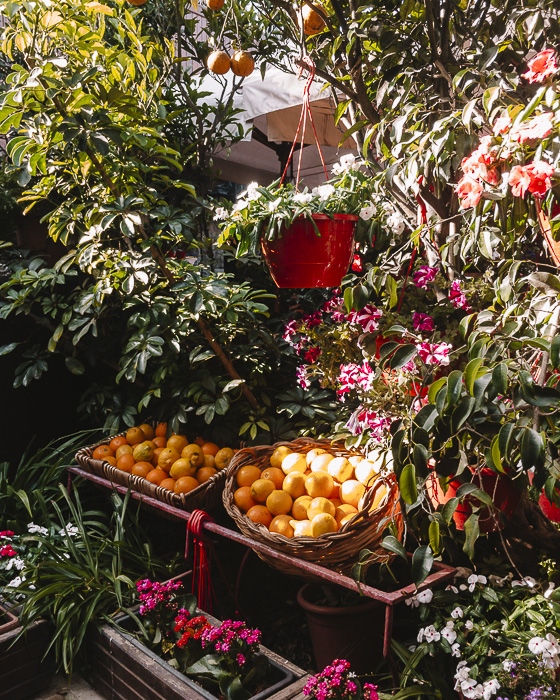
(23, 669)
(121, 668)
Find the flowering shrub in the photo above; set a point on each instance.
(263, 211)
(222, 657)
(337, 682)
(498, 637)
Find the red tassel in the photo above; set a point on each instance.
(201, 559)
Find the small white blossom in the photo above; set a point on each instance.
(240, 205)
(454, 589)
(490, 688)
(37, 529)
(70, 530)
(273, 206)
(462, 671)
(508, 665)
(463, 587)
(456, 650)
(367, 212)
(16, 582)
(324, 192)
(528, 581)
(457, 612)
(425, 596)
(549, 590)
(396, 223)
(220, 214)
(431, 634)
(15, 563)
(471, 689)
(412, 602)
(302, 197)
(474, 579)
(449, 634)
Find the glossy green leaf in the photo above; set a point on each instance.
(407, 484)
(422, 562)
(472, 373)
(472, 533)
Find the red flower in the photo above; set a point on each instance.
(534, 177)
(469, 191)
(541, 66)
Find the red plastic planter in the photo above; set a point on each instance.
(551, 510)
(300, 258)
(502, 490)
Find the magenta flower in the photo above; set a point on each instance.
(7, 551)
(364, 419)
(434, 353)
(424, 275)
(312, 354)
(314, 319)
(6, 533)
(302, 378)
(422, 322)
(352, 376)
(367, 318)
(290, 329)
(457, 297)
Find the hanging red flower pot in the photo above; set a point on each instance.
(301, 258)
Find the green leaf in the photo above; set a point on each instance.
(471, 373)
(422, 562)
(472, 533)
(420, 457)
(532, 449)
(500, 378)
(462, 412)
(454, 386)
(475, 491)
(449, 509)
(392, 544)
(407, 484)
(545, 282)
(555, 352)
(360, 297)
(434, 536)
(403, 354)
(435, 387)
(74, 366)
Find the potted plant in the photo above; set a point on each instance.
(339, 682)
(306, 236)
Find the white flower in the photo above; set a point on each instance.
(454, 589)
(549, 590)
(16, 582)
(302, 197)
(490, 688)
(456, 650)
(449, 634)
(396, 222)
(37, 529)
(367, 212)
(323, 192)
(347, 162)
(527, 581)
(70, 530)
(474, 579)
(220, 214)
(508, 665)
(537, 645)
(431, 634)
(240, 204)
(469, 624)
(471, 689)
(425, 596)
(457, 612)
(15, 563)
(462, 672)
(413, 602)
(272, 206)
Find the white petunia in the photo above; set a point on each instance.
(396, 223)
(220, 214)
(367, 212)
(16, 582)
(471, 689)
(508, 665)
(431, 634)
(469, 624)
(474, 579)
(490, 688)
(324, 192)
(456, 650)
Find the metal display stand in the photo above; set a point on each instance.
(441, 573)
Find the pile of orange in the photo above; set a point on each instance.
(171, 462)
(311, 495)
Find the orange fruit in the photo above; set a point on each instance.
(159, 441)
(144, 451)
(340, 469)
(323, 524)
(279, 502)
(210, 448)
(137, 3)
(168, 484)
(205, 473)
(117, 442)
(299, 509)
(215, 5)
(261, 489)
(148, 431)
(351, 492)
(223, 457)
(218, 62)
(342, 511)
(125, 462)
(102, 451)
(157, 453)
(186, 484)
(320, 505)
(313, 23)
(242, 64)
(294, 462)
(161, 430)
(281, 525)
(177, 442)
(278, 455)
(123, 450)
(156, 476)
(260, 514)
(294, 484)
(181, 467)
(134, 436)
(274, 474)
(167, 457)
(112, 460)
(319, 484)
(209, 461)
(243, 499)
(194, 454)
(247, 474)
(142, 469)
(199, 441)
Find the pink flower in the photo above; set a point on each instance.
(367, 318)
(290, 329)
(502, 124)
(354, 376)
(541, 66)
(312, 354)
(422, 322)
(537, 128)
(301, 376)
(534, 177)
(424, 275)
(457, 297)
(314, 319)
(7, 551)
(363, 419)
(469, 191)
(434, 353)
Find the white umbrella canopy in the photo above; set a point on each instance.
(271, 110)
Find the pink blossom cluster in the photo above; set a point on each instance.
(422, 322)
(534, 177)
(190, 627)
(153, 593)
(352, 376)
(457, 296)
(434, 353)
(7, 551)
(375, 422)
(232, 633)
(424, 275)
(367, 318)
(336, 682)
(541, 66)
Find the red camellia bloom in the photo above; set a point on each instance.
(534, 177)
(469, 191)
(541, 66)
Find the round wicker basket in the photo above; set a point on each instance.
(337, 551)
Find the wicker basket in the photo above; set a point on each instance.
(206, 497)
(337, 551)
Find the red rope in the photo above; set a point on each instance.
(201, 559)
(305, 113)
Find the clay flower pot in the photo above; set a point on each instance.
(300, 258)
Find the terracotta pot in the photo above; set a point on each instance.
(502, 490)
(353, 632)
(301, 259)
